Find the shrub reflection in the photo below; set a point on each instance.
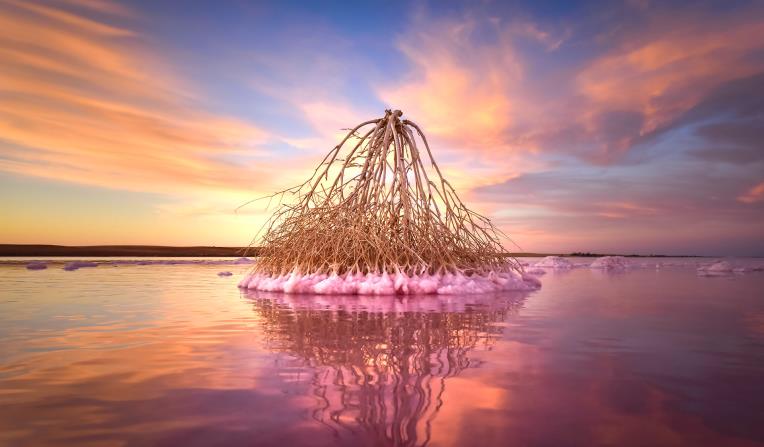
(380, 366)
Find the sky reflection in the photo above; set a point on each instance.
(169, 355)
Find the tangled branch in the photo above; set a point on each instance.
(378, 203)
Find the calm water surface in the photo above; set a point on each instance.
(176, 355)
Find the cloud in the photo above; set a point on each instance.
(457, 87)
(623, 209)
(668, 68)
(86, 101)
(463, 86)
(465, 78)
(728, 123)
(479, 89)
(753, 195)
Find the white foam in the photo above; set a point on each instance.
(387, 284)
(554, 262)
(610, 263)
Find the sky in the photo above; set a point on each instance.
(634, 127)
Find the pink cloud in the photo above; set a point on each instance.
(753, 195)
(83, 102)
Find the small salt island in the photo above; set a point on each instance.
(377, 217)
(554, 262)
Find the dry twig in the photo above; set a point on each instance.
(377, 203)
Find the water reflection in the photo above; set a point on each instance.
(381, 365)
(175, 355)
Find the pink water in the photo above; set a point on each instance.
(177, 355)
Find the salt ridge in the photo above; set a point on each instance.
(387, 284)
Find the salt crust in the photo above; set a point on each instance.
(554, 262)
(386, 284)
(37, 265)
(717, 267)
(721, 268)
(610, 263)
(76, 265)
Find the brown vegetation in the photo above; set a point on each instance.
(377, 203)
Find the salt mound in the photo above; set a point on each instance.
(386, 284)
(37, 265)
(554, 262)
(610, 263)
(717, 267)
(74, 265)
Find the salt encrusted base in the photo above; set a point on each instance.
(385, 284)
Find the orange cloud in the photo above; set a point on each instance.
(467, 95)
(457, 88)
(475, 94)
(753, 195)
(82, 103)
(623, 210)
(668, 72)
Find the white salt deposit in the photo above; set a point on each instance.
(554, 262)
(610, 263)
(386, 284)
(717, 267)
(74, 265)
(37, 265)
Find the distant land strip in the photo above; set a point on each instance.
(123, 251)
(196, 251)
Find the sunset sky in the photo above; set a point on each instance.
(592, 126)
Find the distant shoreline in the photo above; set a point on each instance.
(123, 251)
(27, 250)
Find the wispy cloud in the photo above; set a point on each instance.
(84, 101)
(753, 195)
(569, 130)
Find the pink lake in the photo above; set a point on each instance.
(170, 355)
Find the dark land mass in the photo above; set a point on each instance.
(123, 250)
(162, 251)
